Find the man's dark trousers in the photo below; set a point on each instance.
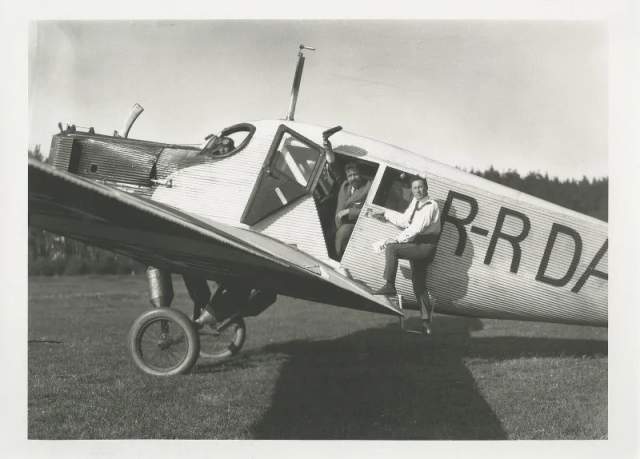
(420, 252)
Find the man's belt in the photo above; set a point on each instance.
(426, 238)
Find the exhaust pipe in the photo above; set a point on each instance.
(296, 82)
(133, 116)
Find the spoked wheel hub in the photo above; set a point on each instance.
(163, 342)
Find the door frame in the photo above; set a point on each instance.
(266, 170)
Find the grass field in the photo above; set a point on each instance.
(309, 371)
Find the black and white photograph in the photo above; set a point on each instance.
(324, 228)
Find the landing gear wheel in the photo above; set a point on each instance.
(223, 342)
(163, 342)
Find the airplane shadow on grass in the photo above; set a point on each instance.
(382, 384)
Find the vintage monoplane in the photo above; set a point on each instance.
(253, 209)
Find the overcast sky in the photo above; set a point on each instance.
(530, 96)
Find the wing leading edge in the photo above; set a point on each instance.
(162, 236)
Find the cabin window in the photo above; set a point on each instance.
(295, 160)
(394, 191)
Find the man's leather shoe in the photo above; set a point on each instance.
(206, 318)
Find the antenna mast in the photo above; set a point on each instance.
(296, 81)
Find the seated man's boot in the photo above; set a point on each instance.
(206, 318)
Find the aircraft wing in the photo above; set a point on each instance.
(162, 236)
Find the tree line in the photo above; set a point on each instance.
(50, 254)
(587, 196)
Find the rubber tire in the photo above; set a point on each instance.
(178, 318)
(234, 346)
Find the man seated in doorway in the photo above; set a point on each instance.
(351, 197)
(416, 243)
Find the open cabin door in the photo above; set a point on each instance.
(290, 171)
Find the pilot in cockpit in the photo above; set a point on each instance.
(217, 146)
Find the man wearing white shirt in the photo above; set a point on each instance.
(417, 242)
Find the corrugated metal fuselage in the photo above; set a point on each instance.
(502, 254)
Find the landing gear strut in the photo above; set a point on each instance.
(165, 342)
